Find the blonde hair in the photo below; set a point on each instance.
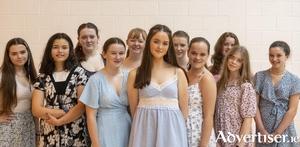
(245, 71)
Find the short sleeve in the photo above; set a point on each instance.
(257, 80)
(295, 89)
(82, 77)
(248, 101)
(91, 93)
(39, 82)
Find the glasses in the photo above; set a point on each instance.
(232, 58)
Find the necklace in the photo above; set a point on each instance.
(277, 73)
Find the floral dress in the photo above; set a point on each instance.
(59, 95)
(232, 106)
(195, 117)
(273, 105)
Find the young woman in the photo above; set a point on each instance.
(105, 97)
(277, 92)
(236, 101)
(86, 49)
(136, 44)
(181, 44)
(17, 126)
(56, 93)
(202, 96)
(225, 42)
(157, 93)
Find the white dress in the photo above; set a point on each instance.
(195, 117)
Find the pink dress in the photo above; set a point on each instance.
(234, 104)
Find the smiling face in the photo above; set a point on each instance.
(60, 50)
(277, 57)
(18, 55)
(114, 55)
(159, 44)
(198, 55)
(180, 46)
(136, 45)
(235, 62)
(227, 45)
(88, 39)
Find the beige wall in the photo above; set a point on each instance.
(257, 23)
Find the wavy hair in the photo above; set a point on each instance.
(217, 57)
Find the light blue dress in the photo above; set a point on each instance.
(158, 121)
(112, 117)
(274, 102)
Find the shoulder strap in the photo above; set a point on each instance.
(201, 77)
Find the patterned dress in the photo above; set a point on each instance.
(234, 104)
(195, 117)
(21, 131)
(59, 95)
(274, 102)
(112, 118)
(158, 121)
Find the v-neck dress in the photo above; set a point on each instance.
(58, 95)
(158, 121)
(112, 118)
(274, 103)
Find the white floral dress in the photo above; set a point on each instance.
(195, 117)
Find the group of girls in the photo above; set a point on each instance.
(160, 93)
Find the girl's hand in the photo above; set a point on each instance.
(52, 120)
(7, 118)
(264, 137)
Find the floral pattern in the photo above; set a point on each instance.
(74, 133)
(20, 132)
(274, 102)
(232, 105)
(195, 118)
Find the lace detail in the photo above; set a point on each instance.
(160, 87)
(158, 101)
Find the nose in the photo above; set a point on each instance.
(88, 39)
(136, 43)
(19, 55)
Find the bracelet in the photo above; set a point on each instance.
(65, 109)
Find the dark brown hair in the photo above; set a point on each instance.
(8, 87)
(143, 75)
(47, 64)
(198, 40)
(78, 49)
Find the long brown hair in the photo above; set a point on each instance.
(8, 86)
(245, 71)
(143, 75)
(217, 57)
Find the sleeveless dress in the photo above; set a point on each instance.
(112, 118)
(195, 117)
(158, 121)
(273, 105)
